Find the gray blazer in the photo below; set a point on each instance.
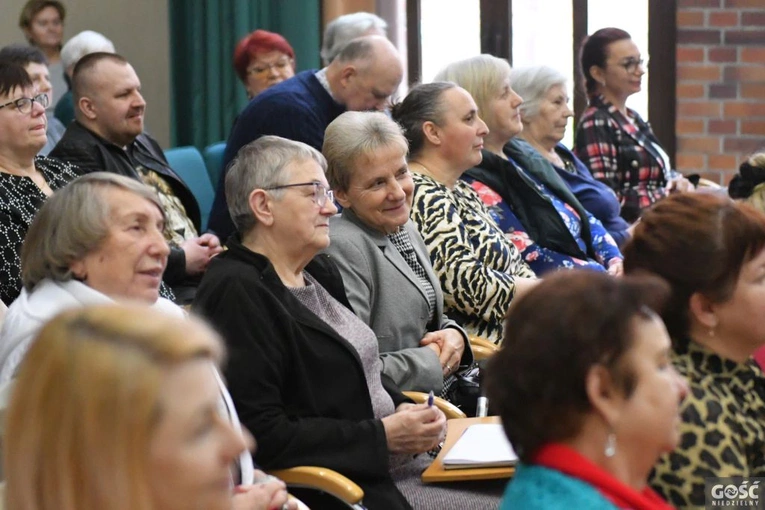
(385, 294)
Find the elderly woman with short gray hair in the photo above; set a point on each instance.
(97, 240)
(384, 262)
(545, 113)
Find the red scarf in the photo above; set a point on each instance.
(568, 461)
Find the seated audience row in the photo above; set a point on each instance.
(586, 392)
(479, 268)
(108, 135)
(545, 112)
(385, 265)
(621, 412)
(305, 372)
(362, 77)
(262, 58)
(97, 241)
(530, 202)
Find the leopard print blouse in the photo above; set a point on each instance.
(723, 427)
(475, 262)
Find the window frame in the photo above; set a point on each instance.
(497, 37)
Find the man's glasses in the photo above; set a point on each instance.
(279, 65)
(321, 193)
(24, 104)
(631, 64)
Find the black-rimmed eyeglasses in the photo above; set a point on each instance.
(631, 64)
(24, 104)
(321, 193)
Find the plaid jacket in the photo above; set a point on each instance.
(624, 155)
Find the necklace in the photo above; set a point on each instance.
(424, 168)
(37, 178)
(444, 179)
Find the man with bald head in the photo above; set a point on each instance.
(362, 77)
(107, 135)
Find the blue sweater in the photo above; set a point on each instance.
(298, 109)
(595, 196)
(541, 488)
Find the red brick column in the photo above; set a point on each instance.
(720, 85)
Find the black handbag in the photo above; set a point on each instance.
(463, 389)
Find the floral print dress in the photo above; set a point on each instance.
(539, 258)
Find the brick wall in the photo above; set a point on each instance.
(720, 85)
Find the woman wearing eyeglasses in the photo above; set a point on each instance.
(25, 181)
(615, 143)
(263, 59)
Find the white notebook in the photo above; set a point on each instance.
(481, 445)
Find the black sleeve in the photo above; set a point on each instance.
(77, 155)
(262, 358)
(176, 267)
(395, 393)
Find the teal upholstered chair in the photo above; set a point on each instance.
(187, 162)
(214, 160)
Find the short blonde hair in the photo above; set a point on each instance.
(86, 402)
(355, 135)
(72, 223)
(482, 76)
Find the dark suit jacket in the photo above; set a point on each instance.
(88, 151)
(386, 294)
(298, 386)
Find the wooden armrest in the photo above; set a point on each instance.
(480, 341)
(325, 479)
(482, 348)
(449, 409)
(481, 352)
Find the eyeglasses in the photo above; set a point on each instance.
(264, 68)
(24, 104)
(631, 64)
(321, 193)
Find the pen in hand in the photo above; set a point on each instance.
(431, 397)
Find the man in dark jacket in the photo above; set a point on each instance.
(107, 135)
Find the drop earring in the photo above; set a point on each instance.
(610, 449)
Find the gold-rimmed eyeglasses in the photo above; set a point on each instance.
(279, 65)
(321, 193)
(24, 104)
